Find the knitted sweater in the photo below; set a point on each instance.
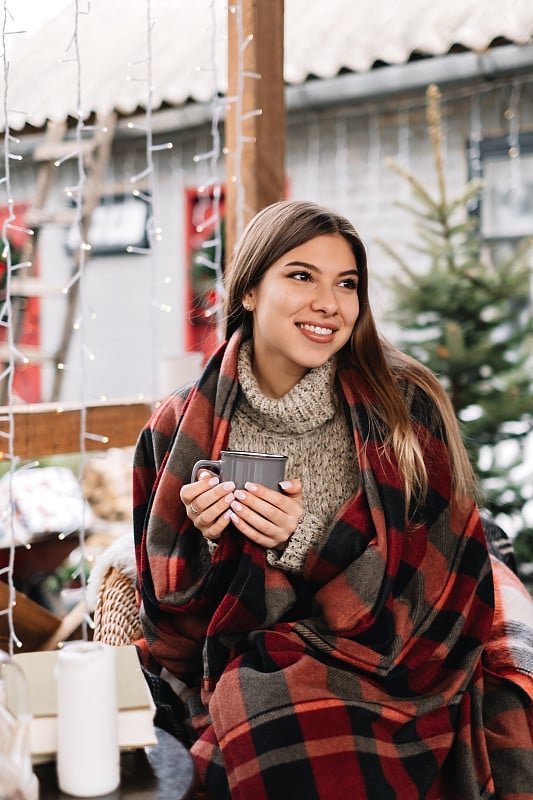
(307, 425)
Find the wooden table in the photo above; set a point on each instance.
(163, 772)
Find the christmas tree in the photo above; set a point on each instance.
(468, 317)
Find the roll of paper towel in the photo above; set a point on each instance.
(88, 757)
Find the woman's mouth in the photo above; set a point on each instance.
(316, 332)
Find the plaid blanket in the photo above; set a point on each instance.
(362, 677)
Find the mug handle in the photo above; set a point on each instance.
(212, 465)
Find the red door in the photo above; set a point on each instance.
(201, 298)
(26, 386)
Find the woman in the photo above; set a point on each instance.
(346, 636)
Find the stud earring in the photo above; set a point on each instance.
(246, 306)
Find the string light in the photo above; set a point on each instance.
(7, 313)
(313, 158)
(241, 208)
(81, 253)
(95, 437)
(148, 195)
(402, 157)
(374, 161)
(211, 187)
(512, 115)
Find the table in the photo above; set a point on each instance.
(162, 772)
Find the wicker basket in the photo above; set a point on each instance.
(116, 616)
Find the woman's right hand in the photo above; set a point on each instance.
(206, 502)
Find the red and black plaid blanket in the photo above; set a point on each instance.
(365, 676)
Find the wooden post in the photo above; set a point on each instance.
(255, 172)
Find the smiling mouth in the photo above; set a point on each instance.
(316, 329)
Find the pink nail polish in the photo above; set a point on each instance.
(236, 506)
(214, 481)
(250, 486)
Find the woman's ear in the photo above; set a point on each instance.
(248, 302)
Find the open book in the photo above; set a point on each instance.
(136, 707)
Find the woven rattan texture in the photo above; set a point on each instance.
(116, 617)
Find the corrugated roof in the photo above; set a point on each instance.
(322, 37)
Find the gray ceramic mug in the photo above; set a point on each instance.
(240, 467)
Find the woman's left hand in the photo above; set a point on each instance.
(266, 516)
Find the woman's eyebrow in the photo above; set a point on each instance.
(314, 268)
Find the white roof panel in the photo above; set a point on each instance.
(47, 80)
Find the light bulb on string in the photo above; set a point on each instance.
(147, 194)
(210, 214)
(512, 116)
(374, 161)
(474, 147)
(313, 158)
(342, 167)
(95, 437)
(8, 373)
(141, 196)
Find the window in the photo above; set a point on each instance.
(506, 204)
(117, 222)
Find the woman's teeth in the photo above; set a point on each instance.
(316, 329)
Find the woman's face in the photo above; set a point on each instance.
(304, 310)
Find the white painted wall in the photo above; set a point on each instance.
(334, 156)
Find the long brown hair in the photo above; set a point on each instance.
(288, 224)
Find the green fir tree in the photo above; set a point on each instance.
(468, 317)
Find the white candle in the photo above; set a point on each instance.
(88, 757)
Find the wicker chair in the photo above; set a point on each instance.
(116, 617)
(111, 594)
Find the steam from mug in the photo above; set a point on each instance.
(242, 466)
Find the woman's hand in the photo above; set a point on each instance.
(206, 502)
(265, 516)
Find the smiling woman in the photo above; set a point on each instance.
(337, 635)
(304, 310)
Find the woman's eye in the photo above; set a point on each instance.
(300, 275)
(349, 283)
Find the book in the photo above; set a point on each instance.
(136, 706)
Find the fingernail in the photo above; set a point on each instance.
(229, 486)
(202, 475)
(213, 481)
(229, 497)
(285, 484)
(251, 487)
(233, 517)
(236, 506)
(240, 495)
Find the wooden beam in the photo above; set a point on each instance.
(255, 174)
(46, 429)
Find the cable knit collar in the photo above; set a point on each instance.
(308, 404)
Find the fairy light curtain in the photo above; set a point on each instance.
(82, 247)
(11, 224)
(208, 212)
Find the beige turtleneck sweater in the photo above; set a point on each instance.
(309, 426)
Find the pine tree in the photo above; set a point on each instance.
(468, 317)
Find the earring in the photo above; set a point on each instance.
(246, 306)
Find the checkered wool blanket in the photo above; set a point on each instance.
(363, 677)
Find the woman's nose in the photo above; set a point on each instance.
(325, 299)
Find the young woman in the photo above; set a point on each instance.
(348, 635)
